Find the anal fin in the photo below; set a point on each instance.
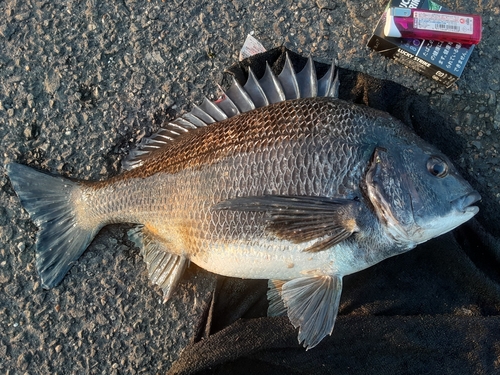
(312, 304)
(164, 268)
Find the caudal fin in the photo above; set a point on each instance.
(50, 202)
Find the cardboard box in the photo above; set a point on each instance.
(441, 61)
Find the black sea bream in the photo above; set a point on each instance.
(276, 180)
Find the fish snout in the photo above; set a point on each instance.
(464, 203)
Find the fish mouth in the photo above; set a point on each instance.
(465, 203)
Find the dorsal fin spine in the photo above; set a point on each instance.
(240, 97)
(271, 86)
(202, 115)
(255, 90)
(288, 80)
(181, 124)
(213, 110)
(194, 122)
(307, 80)
(226, 104)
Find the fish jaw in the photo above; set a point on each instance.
(464, 210)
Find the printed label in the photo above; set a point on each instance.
(448, 23)
(251, 47)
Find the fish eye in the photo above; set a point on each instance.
(437, 167)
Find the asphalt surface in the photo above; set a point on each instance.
(80, 82)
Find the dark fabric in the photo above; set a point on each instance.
(434, 310)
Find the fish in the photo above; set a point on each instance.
(277, 179)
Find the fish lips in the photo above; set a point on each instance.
(465, 203)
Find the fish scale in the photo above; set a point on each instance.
(302, 192)
(167, 200)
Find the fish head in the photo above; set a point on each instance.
(417, 193)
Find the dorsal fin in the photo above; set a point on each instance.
(237, 99)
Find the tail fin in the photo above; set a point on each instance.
(50, 202)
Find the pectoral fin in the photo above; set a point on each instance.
(302, 218)
(164, 269)
(312, 304)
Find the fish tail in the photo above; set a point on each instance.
(50, 201)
